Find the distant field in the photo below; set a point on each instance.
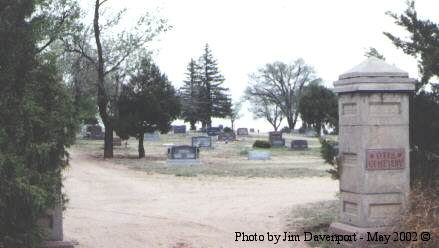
(225, 160)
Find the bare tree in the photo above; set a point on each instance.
(235, 113)
(262, 107)
(281, 84)
(113, 55)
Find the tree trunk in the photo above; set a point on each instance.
(193, 128)
(141, 148)
(209, 122)
(233, 124)
(102, 97)
(319, 129)
(108, 142)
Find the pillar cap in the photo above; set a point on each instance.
(374, 75)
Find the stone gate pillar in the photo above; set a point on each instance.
(374, 147)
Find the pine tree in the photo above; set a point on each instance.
(36, 124)
(190, 95)
(148, 103)
(215, 100)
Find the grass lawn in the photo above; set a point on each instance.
(224, 160)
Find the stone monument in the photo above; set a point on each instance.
(299, 144)
(276, 139)
(373, 148)
(183, 155)
(213, 131)
(179, 129)
(242, 131)
(202, 142)
(259, 155)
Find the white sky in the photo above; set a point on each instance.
(245, 34)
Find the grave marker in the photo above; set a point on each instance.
(276, 139)
(259, 155)
(202, 141)
(213, 131)
(179, 129)
(183, 155)
(151, 137)
(299, 144)
(242, 131)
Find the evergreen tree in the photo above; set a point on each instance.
(36, 124)
(215, 99)
(190, 95)
(148, 103)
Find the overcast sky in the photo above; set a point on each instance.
(245, 34)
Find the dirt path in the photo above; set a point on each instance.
(116, 207)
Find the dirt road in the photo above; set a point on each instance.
(111, 206)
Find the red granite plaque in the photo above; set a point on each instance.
(385, 159)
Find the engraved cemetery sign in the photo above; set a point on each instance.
(385, 159)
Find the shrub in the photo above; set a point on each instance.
(329, 152)
(285, 130)
(261, 144)
(227, 130)
(422, 215)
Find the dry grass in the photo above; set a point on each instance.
(422, 215)
(224, 160)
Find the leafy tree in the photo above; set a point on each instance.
(282, 84)
(36, 125)
(147, 103)
(373, 52)
(215, 99)
(318, 106)
(115, 57)
(190, 95)
(423, 44)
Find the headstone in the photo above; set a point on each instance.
(276, 139)
(227, 137)
(311, 133)
(299, 145)
(117, 141)
(252, 130)
(183, 155)
(213, 131)
(202, 141)
(94, 132)
(151, 137)
(242, 131)
(374, 100)
(259, 155)
(221, 127)
(180, 129)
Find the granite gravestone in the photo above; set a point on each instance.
(202, 142)
(213, 131)
(117, 141)
(259, 155)
(94, 132)
(373, 148)
(151, 137)
(299, 144)
(179, 129)
(311, 133)
(183, 155)
(242, 131)
(227, 137)
(276, 139)
(252, 130)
